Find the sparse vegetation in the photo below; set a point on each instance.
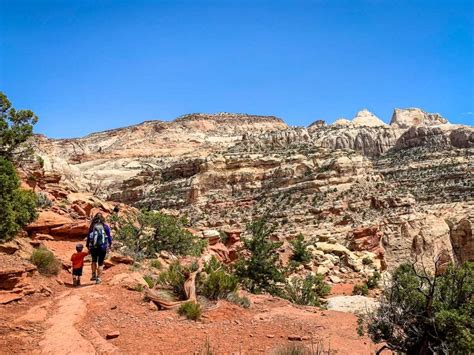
(241, 301)
(45, 261)
(367, 261)
(216, 283)
(373, 281)
(306, 290)
(191, 310)
(43, 200)
(260, 271)
(423, 313)
(156, 264)
(300, 349)
(153, 232)
(300, 251)
(149, 280)
(174, 278)
(360, 289)
(138, 288)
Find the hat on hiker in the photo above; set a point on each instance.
(79, 247)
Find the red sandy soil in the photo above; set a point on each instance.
(77, 320)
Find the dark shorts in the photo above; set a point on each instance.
(98, 256)
(77, 272)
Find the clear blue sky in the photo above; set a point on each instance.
(84, 66)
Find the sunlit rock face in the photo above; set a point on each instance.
(401, 192)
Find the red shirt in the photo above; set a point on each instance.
(78, 259)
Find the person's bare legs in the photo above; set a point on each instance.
(94, 270)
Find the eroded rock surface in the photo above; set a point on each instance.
(394, 192)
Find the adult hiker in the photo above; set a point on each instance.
(98, 241)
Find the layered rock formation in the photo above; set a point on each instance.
(392, 192)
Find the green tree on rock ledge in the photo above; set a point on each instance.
(18, 207)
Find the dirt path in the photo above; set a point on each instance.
(77, 320)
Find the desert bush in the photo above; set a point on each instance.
(215, 282)
(149, 280)
(367, 261)
(138, 288)
(153, 232)
(360, 289)
(424, 313)
(45, 261)
(316, 348)
(191, 310)
(241, 301)
(43, 200)
(373, 281)
(306, 290)
(156, 264)
(174, 278)
(218, 284)
(261, 271)
(18, 207)
(300, 251)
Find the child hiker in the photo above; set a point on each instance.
(77, 260)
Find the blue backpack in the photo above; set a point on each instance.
(98, 237)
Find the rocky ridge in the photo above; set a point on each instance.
(398, 191)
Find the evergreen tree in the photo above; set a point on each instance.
(258, 268)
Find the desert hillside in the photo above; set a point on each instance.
(360, 196)
(395, 190)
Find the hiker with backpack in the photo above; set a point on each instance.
(98, 241)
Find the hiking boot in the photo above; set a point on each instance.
(78, 283)
(98, 280)
(74, 282)
(93, 278)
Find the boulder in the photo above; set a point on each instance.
(71, 230)
(131, 281)
(47, 220)
(121, 259)
(351, 304)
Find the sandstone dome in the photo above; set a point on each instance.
(366, 118)
(405, 118)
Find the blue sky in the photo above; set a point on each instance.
(85, 66)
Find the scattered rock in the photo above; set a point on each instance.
(112, 335)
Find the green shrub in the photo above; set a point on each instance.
(138, 288)
(262, 270)
(367, 261)
(174, 278)
(149, 280)
(40, 161)
(156, 264)
(43, 200)
(218, 284)
(360, 289)
(153, 232)
(215, 282)
(241, 301)
(423, 313)
(373, 281)
(18, 207)
(191, 310)
(300, 252)
(45, 261)
(307, 290)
